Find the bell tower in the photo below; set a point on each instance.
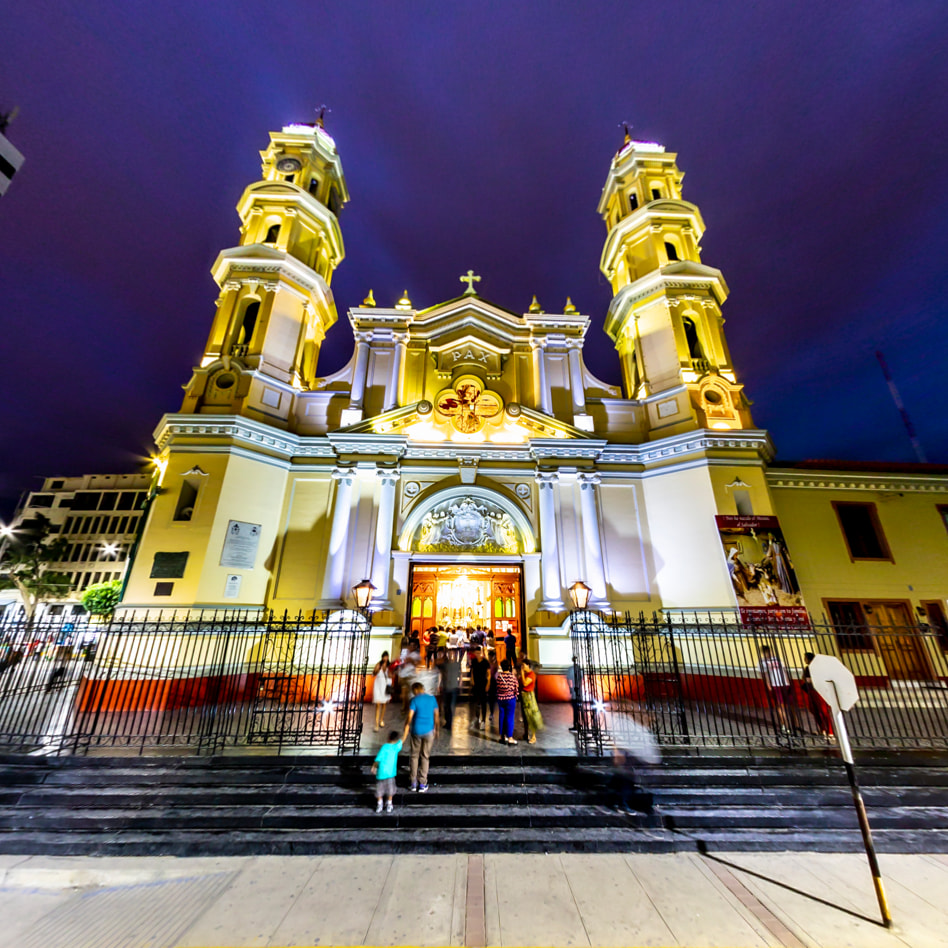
(275, 304)
(665, 317)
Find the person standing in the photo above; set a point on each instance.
(407, 673)
(818, 707)
(493, 669)
(510, 647)
(422, 727)
(450, 685)
(574, 678)
(480, 677)
(777, 683)
(381, 689)
(529, 709)
(507, 688)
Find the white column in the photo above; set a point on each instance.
(576, 381)
(544, 405)
(398, 357)
(592, 538)
(382, 554)
(334, 576)
(357, 393)
(549, 559)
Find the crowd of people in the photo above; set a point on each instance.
(425, 682)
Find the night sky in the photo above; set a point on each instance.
(813, 137)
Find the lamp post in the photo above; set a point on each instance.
(363, 596)
(585, 685)
(579, 595)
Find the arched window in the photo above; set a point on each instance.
(249, 323)
(498, 608)
(416, 608)
(633, 200)
(691, 335)
(671, 250)
(429, 608)
(273, 234)
(314, 186)
(187, 498)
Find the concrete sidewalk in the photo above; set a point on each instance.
(783, 899)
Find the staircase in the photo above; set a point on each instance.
(305, 805)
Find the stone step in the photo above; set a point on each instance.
(810, 817)
(298, 795)
(409, 813)
(385, 836)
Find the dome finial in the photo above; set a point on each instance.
(569, 309)
(369, 299)
(535, 305)
(404, 302)
(627, 126)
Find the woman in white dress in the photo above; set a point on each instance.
(380, 689)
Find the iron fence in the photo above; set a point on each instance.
(702, 681)
(197, 682)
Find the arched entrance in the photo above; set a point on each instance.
(467, 547)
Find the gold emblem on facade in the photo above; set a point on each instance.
(468, 405)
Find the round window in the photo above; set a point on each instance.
(713, 397)
(225, 380)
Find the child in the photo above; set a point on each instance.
(384, 768)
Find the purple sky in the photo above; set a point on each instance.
(813, 137)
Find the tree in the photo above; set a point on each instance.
(102, 598)
(25, 564)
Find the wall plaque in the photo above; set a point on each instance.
(168, 565)
(232, 586)
(240, 545)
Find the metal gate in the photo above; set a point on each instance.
(198, 683)
(699, 680)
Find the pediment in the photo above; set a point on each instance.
(421, 422)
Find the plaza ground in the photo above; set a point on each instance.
(685, 899)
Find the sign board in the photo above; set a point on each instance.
(232, 586)
(240, 545)
(834, 683)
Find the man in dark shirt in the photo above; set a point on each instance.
(450, 669)
(480, 681)
(510, 645)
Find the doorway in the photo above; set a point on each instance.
(465, 596)
(899, 645)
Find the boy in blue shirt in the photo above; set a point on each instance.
(384, 768)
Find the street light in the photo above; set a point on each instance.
(363, 594)
(579, 594)
(588, 706)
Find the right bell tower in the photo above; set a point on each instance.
(665, 316)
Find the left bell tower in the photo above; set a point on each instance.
(275, 305)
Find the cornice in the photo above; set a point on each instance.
(253, 435)
(844, 480)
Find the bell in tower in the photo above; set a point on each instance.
(275, 305)
(665, 317)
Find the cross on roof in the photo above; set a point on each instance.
(469, 278)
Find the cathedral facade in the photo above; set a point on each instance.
(465, 460)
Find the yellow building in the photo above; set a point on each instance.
(466, 460)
